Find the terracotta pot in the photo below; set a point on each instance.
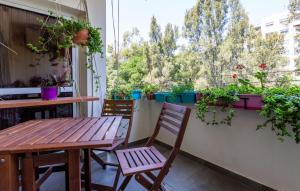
(81, 37)
(150, 96)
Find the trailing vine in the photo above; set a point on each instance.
(214, 98)
(56, 37)
(282, 110)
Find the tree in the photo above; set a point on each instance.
(294, 8)
(267, 50)
(205, 26)
(161, 54)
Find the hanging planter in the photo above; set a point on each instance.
(58, 37)
(81, 37)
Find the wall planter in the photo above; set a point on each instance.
(161, 96)
(49, 93)
(174, 98)
(121, 97)
(188, 97)
(136, 94)
(249, 101)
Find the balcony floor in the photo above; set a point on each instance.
(186, 175)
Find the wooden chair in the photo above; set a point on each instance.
(122, 108)
(141, 162)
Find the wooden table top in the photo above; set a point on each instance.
(59, 134)
(39, 102)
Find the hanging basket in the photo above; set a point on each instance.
(81, 37)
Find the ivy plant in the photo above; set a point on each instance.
(213, 98)
(282, 110)
(56, 37)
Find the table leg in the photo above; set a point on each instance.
(87, 169)
(28, 173)
(9, 173)
(74, 170)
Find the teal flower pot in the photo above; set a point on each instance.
(188, 97)
(174, 98)
(161, 96)
(136, 94)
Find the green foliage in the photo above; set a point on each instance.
(122, 91)
(59, 35)
(53, 80)
(181, 88)
(150, 88)
(282, 110)
(212, 99)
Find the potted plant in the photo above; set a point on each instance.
(50, 85)
(182, 93)
(56, 38)
(136, 94)
(212, 98)
(281, 110)
(121, 92)
(161, 96)
(149, 90)
(250, 96)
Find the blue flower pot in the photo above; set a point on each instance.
(116, 97)
(136, 94)
(161, 96)
(174, 98)
(188, 97)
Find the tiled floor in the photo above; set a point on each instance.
(186, 175)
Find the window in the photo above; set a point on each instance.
(284, 21)
(284, 31)
(269, 24)
(297, 51)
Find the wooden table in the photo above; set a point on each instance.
(68, 134)
(39, 102)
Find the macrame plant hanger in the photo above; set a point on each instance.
(116, 38)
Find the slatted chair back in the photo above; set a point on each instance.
(173, 118)
(124, 108)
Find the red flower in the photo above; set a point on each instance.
(240, 67)
(234, 76)
(262, 66)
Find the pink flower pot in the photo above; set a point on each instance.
(198, 96)
(49, 93)
(249, 101)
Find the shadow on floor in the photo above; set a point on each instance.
(185, 175)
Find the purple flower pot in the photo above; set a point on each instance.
(49, 93)
(249, 101)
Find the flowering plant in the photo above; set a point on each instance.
(262, 75)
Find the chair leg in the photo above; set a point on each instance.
(98, 160)
(125, 183)
(116, 181)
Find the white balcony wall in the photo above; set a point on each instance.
(257, 155)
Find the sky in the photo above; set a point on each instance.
(137, 13)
